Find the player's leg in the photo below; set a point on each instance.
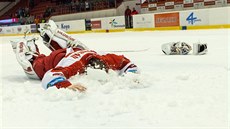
(26, 52)
(55, 38)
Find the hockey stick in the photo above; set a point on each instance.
(139, 50)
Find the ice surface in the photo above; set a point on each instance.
(172, 91)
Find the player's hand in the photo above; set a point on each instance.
(76, 87)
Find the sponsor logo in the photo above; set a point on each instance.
(115, 24)
(143, 21)
(19, 29)
(152, 5)
(65, 35)
(191, 19)
(65, 27)
(169, 3)
(96, 24)
(33, 28)
(167, 19)
(8, 30)
(54, 81)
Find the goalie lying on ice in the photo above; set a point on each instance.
(182, 48)
(69, 57)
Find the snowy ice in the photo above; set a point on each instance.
(188, 91)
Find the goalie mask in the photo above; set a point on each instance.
(25, 55)
(96, 63)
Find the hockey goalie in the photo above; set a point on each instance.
(69, 57)
(182, 48)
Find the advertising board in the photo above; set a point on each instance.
(167, 19)
(194, 17)
(72, 26)
(143, 21)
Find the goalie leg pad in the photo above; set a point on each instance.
(176, 48)
(24, 58)
(55, 38)
(166, 48)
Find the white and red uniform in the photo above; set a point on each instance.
(60, 65)
(63, 62)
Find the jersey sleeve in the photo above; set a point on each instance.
(55, 78)
(72, 64)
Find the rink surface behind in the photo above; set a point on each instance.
(174, 91)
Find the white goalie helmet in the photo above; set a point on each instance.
(25, 51)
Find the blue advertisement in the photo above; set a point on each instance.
(192, 19)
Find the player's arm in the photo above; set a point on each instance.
(119, 63)
(57, 79)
